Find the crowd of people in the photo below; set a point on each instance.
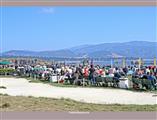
(90, 72)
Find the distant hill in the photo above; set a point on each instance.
(128, 49)
(58, 53)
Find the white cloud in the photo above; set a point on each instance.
(47, 10)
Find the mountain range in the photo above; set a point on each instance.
(135, 49)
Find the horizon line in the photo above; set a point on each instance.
(73, 46)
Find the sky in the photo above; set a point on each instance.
(54, 28)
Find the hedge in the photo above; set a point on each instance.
(141, 83)
(6, 71)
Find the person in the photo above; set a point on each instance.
(85, 75)
(91, 75)
(85, 72)
(111, 72)
(117, 75)
(153, 80)
(103, 72)
(125, 70)
(147, 70)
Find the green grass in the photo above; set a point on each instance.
(20, 103)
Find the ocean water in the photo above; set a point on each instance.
(147, 62)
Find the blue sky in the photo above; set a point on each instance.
(52, 28)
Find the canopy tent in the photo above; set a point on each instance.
(5, 63)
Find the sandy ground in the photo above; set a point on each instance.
(20, 86)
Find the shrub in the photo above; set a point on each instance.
(5, 71)
(3, 87)
(141, 82)
(5, 105)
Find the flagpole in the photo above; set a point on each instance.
(154, 61)
(111, 63)
(139, 63)
(123, 62)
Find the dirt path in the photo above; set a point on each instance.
(20, 86)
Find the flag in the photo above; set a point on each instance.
(139, 62)
(115, 61)
(155, 61)
(123, 62)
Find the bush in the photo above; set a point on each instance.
(5, 105)
(3, 87)
(1, 94)
(6, 71)
(145, 83)
(136, 81)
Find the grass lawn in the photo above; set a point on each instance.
(20, 103)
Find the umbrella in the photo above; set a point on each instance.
(130, 72)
